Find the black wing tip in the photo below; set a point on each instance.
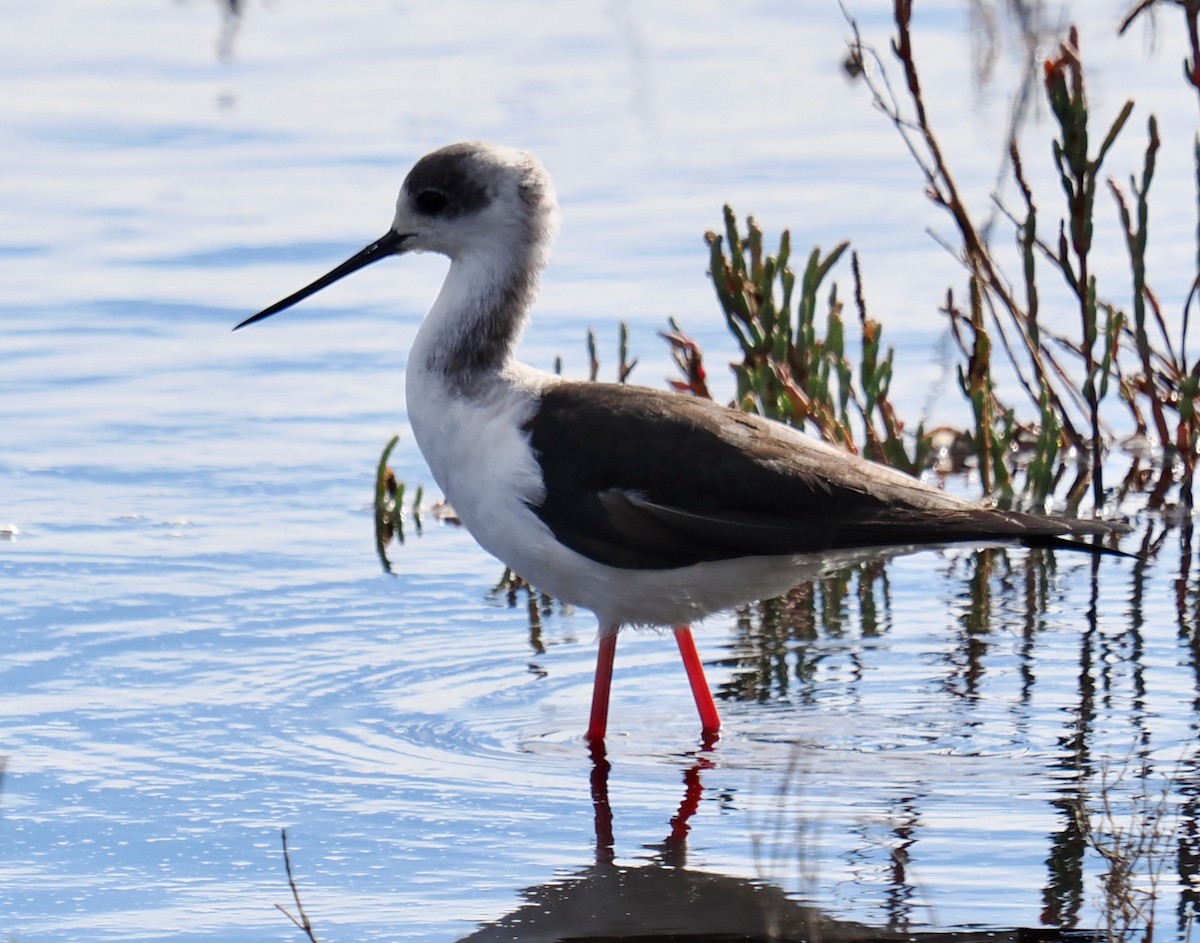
(1060, 532)
(1079, 543)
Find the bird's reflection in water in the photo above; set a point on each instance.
(664, 900)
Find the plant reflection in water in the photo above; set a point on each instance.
(1003, 607)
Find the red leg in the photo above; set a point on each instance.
(710, 722)
(598, 724)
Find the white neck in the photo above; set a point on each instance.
(466, 396)
(473, 326)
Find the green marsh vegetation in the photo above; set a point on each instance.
(1083, 407)
(1121, 362)
(1125, 354)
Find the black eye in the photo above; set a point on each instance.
(431, 201)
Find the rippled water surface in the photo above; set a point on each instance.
(199, 647)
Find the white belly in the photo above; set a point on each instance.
(480, 457)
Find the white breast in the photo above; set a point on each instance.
(480, 456)
(481, 459)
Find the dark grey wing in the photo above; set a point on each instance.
(641, 478)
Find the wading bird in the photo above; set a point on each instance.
(648, 508)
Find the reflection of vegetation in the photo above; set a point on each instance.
(771, 657)
(774, 656)
(800, 366)
(389, 506)
(1132, 834)
(538, 605)
(1002, 602)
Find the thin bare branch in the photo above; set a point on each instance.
(302, 922)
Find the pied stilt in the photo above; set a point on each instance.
(646, 507)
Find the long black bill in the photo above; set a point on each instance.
(390, 244)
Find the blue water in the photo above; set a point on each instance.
(199, 647)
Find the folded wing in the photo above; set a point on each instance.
(639, 478)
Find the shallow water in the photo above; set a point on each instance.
(200, 648)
